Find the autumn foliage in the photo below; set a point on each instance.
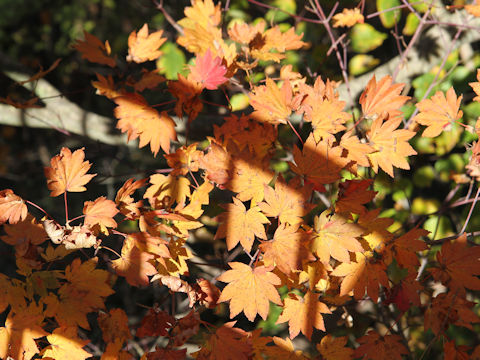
(305, 246)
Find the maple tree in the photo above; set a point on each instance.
(304, 245)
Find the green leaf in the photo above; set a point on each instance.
(239, 102)
(411, 24)
(365, 38)
(362, 63)
(172, 62)
(275, 15)
(388, 18)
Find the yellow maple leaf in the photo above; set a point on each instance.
(144, 47)
(348, 18)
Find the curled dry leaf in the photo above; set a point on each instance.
(94, 50)
(68, 172)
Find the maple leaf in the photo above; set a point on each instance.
(438, 112)
(12, 207)
(376, 347)
(185, 328)
(453, 352)
(217, 164)
(24, 234)
(244, 33)
(334, 348)
(382, 97)
(241, 225)
(348, 18)
(284, 350)
(458, 265)
(114, 326)
(352, 195)
(139, 120)
(68, 172)
(149, 80)
(405, 294)
(316, 274)
(334, 236)
(303, 314)
(476, 85)
(208, 71)
(357, 151)
(94, 50)
(165, 190)
(125, 203)
(106, 87)
(144, 47)
(249, 290)
(187, 92)
(390, 144)
(282, 41)
(227, 343)
(449, 309)
(101, 212)
(65, 344)
(155, 323)
(473, 9)
(406, 247)
(249, 177)
(287, 250)
(184, 159)
(287, 202)
(320, 163)
(17, 337)
(360, 274)
(134, 264)
(272, 104)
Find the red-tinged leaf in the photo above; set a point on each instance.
(12, 207)
(438, 112)
(353, 195)
(155, 323)
(303, 314)
(144, 47)
(208, 71)
(406, 247)
(114, 326)
(94, 50)
(459, 265)
(249, 290)
(382, 99)
(101, 212)
(376, 347)
(68, 172)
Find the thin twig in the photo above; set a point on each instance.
(470, 212)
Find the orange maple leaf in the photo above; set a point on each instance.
(249, 290)
(165, 190)
(106, 87)
(68, 172)
(65, 344)
(101, 212)
(24, 234)
(320, 163)
(94, 50)
(138, 119)
(476, 85)
(287, 250)
(382, 98)
(12, 207)
(125, 202)
(184, 159)
(352, 196)
(144, 47)
(134, 264)
(228, 342)
(348, 18)
(334, 236)
(244, 33)
(360, 274)
(155, 323)
(390, 144)
(287, 202)
(356, 150)
(406, 247)
(438, 112)
(459, 265)
(303, 314)
(241, 225)
(473, 9)
(334, 348)
(376, 347)
(114, 326)
(271, 103)
(17, 338)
